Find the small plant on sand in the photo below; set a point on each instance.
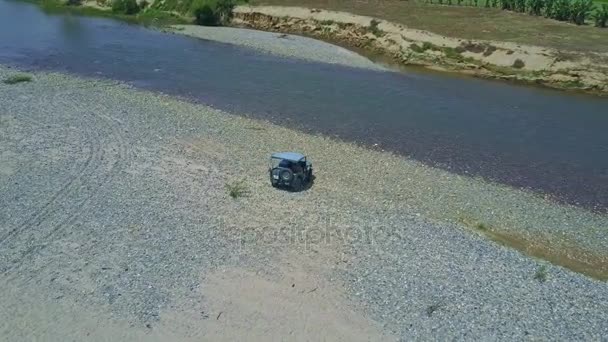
(518, 64)
(237, 189)
(431, 309)
(17, 79)
(373, 28)
(481, 226)
(429, 46)
(541, 274)
(453, 53)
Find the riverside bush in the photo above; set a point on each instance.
(579, 11)
(212, 12)
(600, 17)
(125, 6)
(206, 16)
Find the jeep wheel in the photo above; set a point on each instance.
(286, 175)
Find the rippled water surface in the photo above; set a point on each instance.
(549, 141)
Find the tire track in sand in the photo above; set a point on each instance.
(66, 205)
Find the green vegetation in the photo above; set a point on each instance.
(148, 16)
(206, 16)
(416, 48)
(541, 274)
(125, 7)
(237, 189)
(601, 16)
(452, 53)
(373, 28)
(425, 46)
(19, 78)
(156, 12)
(205, 12)
(575, 11)
(481, 226)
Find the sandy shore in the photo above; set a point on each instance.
(116, 224)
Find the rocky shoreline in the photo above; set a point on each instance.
(116, 212)
(486, 59)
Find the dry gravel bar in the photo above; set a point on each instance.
(115, 224)
(284, 45)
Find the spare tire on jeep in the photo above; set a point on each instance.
(286, 175)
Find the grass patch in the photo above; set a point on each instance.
(562, 253)
(477, 225)
(481, 226)
(237, 189)
(541, 274)
(155, 17)
(425, 47)
(19, 78)
(416, 48)
(453, 53)
(575, 84)
(429, 46)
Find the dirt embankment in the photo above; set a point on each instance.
(489, 59)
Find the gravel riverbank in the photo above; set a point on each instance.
(116, 224)
(284, 45)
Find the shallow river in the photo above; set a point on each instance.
(548, 141)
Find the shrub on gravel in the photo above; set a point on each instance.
(237, 189)
(17, 79)
(541, 274)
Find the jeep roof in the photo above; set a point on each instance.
(291, 156)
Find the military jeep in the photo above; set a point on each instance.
(290, 170)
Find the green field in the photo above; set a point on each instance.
(469, 22)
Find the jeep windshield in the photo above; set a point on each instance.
(279, 162)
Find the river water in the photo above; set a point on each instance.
(548, 141)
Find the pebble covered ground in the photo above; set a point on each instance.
(284, 45)
(114, 201)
